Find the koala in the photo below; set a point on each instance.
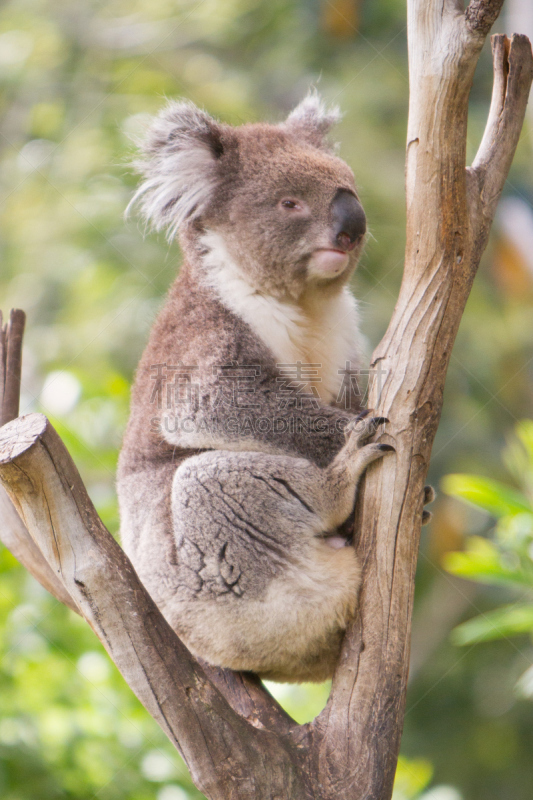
(236, 490)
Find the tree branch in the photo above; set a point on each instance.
(18, 541)
(51, 499)
(244, 692)
(481, 15)
(357, 736)
(13, 534)
(513, 73)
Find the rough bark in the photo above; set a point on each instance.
(235, 739)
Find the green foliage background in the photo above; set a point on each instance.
(76, 82)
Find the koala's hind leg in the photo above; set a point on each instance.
(257, 585)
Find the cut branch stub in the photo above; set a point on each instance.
(13, 534)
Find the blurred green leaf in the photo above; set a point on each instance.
(516, 531)
(524, 685)
(498, 624)
(487, 494)
(482, 562)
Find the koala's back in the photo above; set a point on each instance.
(192, 329)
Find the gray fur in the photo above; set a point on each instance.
(178, 161)
(229, 522)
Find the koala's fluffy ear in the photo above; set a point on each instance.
(178, 163)
(313, 121)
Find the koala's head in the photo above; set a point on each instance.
(272, 198)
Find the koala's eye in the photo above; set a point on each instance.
(290, 204)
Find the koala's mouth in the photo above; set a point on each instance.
(327, 262)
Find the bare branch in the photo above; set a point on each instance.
(245, 693)
(481, 15)
(48, 492)
(357, 737)
(513, 74)
(249, 698)
(10, 364)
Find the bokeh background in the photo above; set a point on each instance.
(77, 81)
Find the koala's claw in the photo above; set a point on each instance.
(387, 448)
(370, 427)
(364, 428)
(365, 412)
(429, 494)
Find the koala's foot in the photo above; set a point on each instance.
(429, 496)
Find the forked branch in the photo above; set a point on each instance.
(359, 731)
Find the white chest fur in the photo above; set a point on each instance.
(324, 334)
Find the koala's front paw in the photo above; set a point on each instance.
(359, 450)
(429, 496)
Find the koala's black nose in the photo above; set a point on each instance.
(348, 218)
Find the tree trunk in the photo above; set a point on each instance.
(236, 740)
